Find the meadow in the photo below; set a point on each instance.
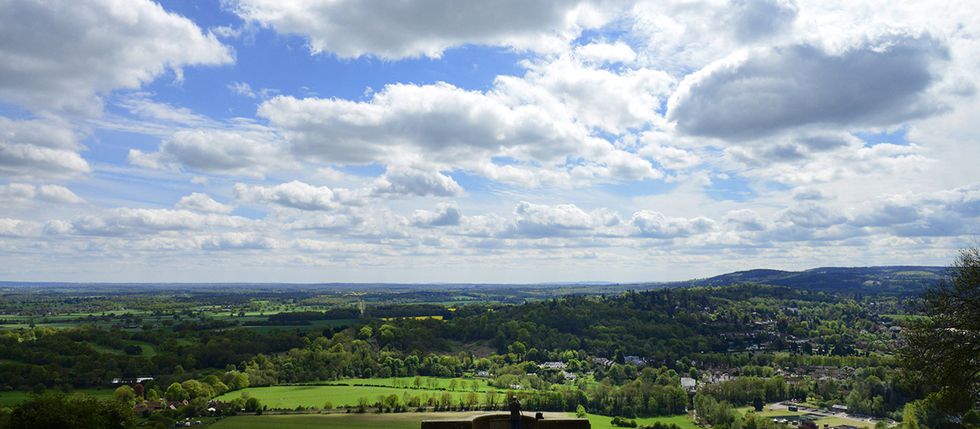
(291, 397)
(11, 398)
(349, 421)
(400, 420)
(605, 422)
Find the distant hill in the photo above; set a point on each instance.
(892, 279)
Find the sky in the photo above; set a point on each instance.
(471, 141)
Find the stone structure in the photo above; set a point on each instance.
(502, 421)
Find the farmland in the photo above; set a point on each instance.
(291, 397)
(339, 421)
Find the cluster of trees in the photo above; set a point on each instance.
(57, 410)
(721, 415)
(756, 390)
(943, 350)
(76, 357)
(654, 392)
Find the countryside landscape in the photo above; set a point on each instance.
(505, 214)
(821, 346)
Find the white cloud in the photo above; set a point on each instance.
(753, 94)
(16, 227)
(444, 215)
(417, 182)
(653, 224)
(250, 153)
(48, 193)
(601, 52)
(353, 28)
(126, 221)
(755, 20)
(295, 194)
(39, 149)
(237, 241)
(451, 129)
(64, 55)
(443, 122)
(199, 202)
(538, 220)
(609, 100)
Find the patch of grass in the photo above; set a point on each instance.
(290, 397)
(837, 421)
(605, 422)
(462, 384)
(12, 398)
(351, 421)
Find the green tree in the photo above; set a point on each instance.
(253, 405)
(175, 392)
(944, 347)
(56, 410)
(125, 395)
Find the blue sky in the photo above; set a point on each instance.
(321, 141)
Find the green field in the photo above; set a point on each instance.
(604, 422)
(11, 398)
(290, 397)
(463, 384)
(351, 421)
(832, 421)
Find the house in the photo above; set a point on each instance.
(568, 376)
(635, 360)
(689, 383)
(483, 373)
(839, 408)
(602, 361)
(553, 365)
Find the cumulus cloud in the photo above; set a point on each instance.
(417, 182)
(353, 28)
(39, 149)
(236, 241)
(601, 52)
(754, 94)
(538, 220)
(231, 152)
(199, 202)
(597, 97)
(16, 227)
(63, 55)
(444, 215)
(47, 193)
(745, 220)
(445, 122)
(451, 128)
(942, 213)
(295, 194)
(755, 20)
(126, 221)
(653, 224)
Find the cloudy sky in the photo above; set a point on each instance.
(473, 141)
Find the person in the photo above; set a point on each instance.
(515, 413)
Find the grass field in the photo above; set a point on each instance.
(463, 384)
(831, 421)
(290, 397)
(604, 422)
(351, 421)
(11, 398)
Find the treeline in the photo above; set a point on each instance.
(47, 358)
(754, 390)
(721, 415)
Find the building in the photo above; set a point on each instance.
(689, 383)
(553, 365)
